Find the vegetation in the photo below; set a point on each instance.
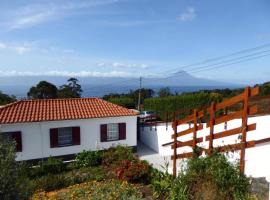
(114, 155)
(265, 89)
(123, 101)
(70, 90)
(164, 92)
(111, 189)
(43, 90)
(5, 99)
(46, 90)
(206, 178)
(14, 185)
(88, 158)
(111, 174)
(165, 100)
(129, 100)
(180, 102)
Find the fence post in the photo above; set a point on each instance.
(211, 123)
(244, 130)
(174, 144)
(226, 123)
(195, 129)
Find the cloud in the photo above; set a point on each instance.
(33, 15)
(31, 20)
(22, 47)
(18, 48)
(14, 73)
(2, 46)
(188, 15)
(123, 65)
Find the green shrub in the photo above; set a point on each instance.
(50, 166)
(51, 182)
(53, 166)
(206, 178)
(161, 182)
(14, 184)
(86, 174)
(88, 158)
(57, 181)
(115, 154)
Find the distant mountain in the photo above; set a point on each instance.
(99, 86)
(182, 78)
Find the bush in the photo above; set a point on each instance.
(161, 182)
(114, 155)
(13, 181)
(53, 166)
(133, 171)
(86, 174)
(88, 158)
(207, 178)
(57, 181)
(51, 182)
(50, 166)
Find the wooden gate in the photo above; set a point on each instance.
(214, 118)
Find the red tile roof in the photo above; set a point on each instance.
(60, 109)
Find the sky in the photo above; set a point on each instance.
(135, 38)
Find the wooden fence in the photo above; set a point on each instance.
(217, 114)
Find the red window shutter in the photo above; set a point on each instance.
(122, 131)
(17, 137)
(76, 135)
(54, 137)
(103, 132)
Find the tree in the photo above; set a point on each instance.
(265, 89)
(43, 90)
(14, 185)
(5, 99)
(145, 93)
(123, 101)
(70, 90)
(164, 92)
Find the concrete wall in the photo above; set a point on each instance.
(257, 158)
(36, 136)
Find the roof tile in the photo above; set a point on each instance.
(60, 109)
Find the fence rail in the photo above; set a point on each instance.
(214, 118)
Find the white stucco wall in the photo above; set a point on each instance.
(36, 136)
(257, 158)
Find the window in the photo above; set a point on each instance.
(15, 136)
(65, 136)
(6, 136)
(112, 132)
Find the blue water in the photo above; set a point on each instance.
(20, 91)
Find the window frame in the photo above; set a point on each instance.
(60, 136)
(113, 128)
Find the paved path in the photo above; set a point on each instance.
(158, 161)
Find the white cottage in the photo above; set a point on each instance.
(64, 127)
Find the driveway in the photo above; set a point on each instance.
(158, 161)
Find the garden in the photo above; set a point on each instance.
(117, 173)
